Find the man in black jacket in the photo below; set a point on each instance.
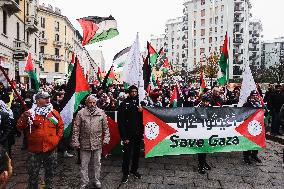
(130, 125)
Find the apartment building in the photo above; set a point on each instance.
(173, 42)
(255, 30)
(272, 52)
(205, 24)
(18, 37)
(158, 42)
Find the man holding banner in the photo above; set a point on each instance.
(131, 132)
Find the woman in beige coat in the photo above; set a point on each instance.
(90, 132)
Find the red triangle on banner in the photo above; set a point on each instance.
(253, 128)
(156, 130)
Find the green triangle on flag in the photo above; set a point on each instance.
(153, 55)
(156, 130)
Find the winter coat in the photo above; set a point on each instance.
(5, 127)
(90, 131)
(130, 120)
(44, 135)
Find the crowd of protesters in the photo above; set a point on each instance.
(114, 98)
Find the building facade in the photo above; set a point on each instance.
(272, 52)
(255, 30)
(174, 43)
(19, 36)
(158, 42)
(206, 23)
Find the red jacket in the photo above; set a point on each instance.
(44, 135)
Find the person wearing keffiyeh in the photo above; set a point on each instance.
(45, 128)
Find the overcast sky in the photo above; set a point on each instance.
(149, 17)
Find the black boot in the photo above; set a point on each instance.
(247, 161)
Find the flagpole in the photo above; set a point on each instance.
(12, 86)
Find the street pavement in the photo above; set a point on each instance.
(172, 172)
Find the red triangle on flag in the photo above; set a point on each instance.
(114, 136)
(81, 82)
(253, 128)
(156, 130)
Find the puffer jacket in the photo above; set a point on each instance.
(90, 131)
(44, 134)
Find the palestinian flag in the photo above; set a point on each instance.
(120, 58)
(76, 90)
(223, 63)
(52, 118)
(174, 97)
(176, 131)
(147, 72)
(71, 65)
(97, 29)
(153, 55)
(99, 75)
(166, 66)
(109, 78)
(30, 69)
(202, 82)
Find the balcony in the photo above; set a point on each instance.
(238, 30)
(238, 40)
(238, 52)
(255, 35)
(11, 6)
(185, 18)
(57, 43)
(240, 62)
(31, 24)
(42, 41)
(184, 37)
(238, 9)
(56, 57)
(253, 49)
(68, 46)
(238, 19)
(237, 70)
(184, 28)
(254, 41)
(184, 46)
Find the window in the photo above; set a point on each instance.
(202, 22)
(203, 40)
(210, 39)
(216, 20)
(194, 52)
(216, 30)
(42, 22)
(222, 19)
(194, 32)
(28, 9)
(194, 61)
(216, 10)
(194, 24)
(202, 2)
(28, 37)
(56, 26)
(56, 37)
(18, 31)
(56, 67)
(4, 22)
(202, 32)
(202, 50)
(216, 39)
(42, 49)
(211, 20)
(57, 51)
(35, 45)
(203, 13)
(194, 42)
(210, 31)
(65, 30)
(222, 8)
(42, 34)
(195, 14)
